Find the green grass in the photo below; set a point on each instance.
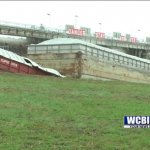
(48, 113)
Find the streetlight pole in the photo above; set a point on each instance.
(139, 34)
(76, 16)
(49, 19)
(100, 26)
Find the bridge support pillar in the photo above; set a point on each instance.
(140, 53)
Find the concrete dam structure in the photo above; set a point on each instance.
(80, 59)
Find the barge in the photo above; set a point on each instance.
(14, 63)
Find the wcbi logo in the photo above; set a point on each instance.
(136, 121)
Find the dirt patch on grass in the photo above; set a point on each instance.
(8, 90)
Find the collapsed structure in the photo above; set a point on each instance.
(12, 62)
(76, 58)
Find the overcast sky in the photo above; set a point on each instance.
(114, 16)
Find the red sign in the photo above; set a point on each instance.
(79, 32)
(133, 39)
(99, 35)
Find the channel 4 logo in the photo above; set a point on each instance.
(136, 121)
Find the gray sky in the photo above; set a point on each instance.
(114, 16)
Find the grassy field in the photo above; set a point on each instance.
(47, 113)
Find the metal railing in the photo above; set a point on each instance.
(116, 58)
(108, 36)
(29, 26)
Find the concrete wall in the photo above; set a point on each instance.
(79, 65)
(66, 63)
(95, 68)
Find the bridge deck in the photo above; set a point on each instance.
(32, 31)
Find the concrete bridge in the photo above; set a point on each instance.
(36, 34)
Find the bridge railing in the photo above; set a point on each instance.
(48, 29)
(28, 26)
